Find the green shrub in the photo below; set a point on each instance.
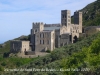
(1, 68)
(48, 51)
(3, 63)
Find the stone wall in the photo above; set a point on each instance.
(19, 46)
(25, 46)
(15, 46)
(63, 40)
(57, 33)
(45, 41)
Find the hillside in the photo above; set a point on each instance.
(14, 61)
(91, 14)
(5, 47)
(68, 57)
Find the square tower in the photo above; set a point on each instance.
(38, 27)
(78, 18)
(65, 18)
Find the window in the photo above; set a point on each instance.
(62, 16)
(13, 46)
(36, 30)
(40, 41)
(65, 20)
(43, 41)
(43, 35)
(68, 16)
(65, 16)
(68, 20)
(40, 35)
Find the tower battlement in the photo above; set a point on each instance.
(65, 11)
(37, 24)
(77, 12)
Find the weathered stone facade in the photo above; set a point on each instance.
(43, 40)
(88, 31)
(67, 33)
(19, 46)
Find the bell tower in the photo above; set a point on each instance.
(78, 20)
(65, 18)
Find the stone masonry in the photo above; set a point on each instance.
(43, 40)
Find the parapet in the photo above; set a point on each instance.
(15, 40)
(77, 12)
(37, 24)
(19, 41)
(65, 10)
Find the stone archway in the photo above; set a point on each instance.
(75, 39)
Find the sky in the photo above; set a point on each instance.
(17, 16)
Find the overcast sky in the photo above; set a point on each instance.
(17, 16)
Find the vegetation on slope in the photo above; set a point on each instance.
(87, 61)
(12, 62)
(6, 48)
(72, 53)
(91, 14)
